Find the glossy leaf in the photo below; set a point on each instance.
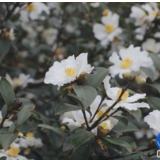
(86, 94)
(156, 60)
(4, 110)
(65, 107)
(144, 157)
(54, 129)
(149, 72)
(154, 102)
(94, 80)
(7, 92)
(123, 119)
(4, 46)
(7, 139)
(23, 115)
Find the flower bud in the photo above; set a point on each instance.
(140, 80)
(152, 142)
(82, 78)
(105, 12)
(127, 76)
(20, 134)
(63, 128)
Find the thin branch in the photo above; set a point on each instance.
(110, 108)
(85, 118)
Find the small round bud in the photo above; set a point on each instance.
(63, 128)
(82, 78)
(140, 80)
(152, 142)
(20, 134)
(127, 76)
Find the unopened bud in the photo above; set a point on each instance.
(140, 80)
(127, 76)
(20, 134)
(152, 142)
(82, 78)
(63, 128)
(105, 12)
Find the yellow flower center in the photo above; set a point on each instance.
(70, 72)
(109, 28)
(105, 12)
(30, 7)
(124, 97)
(154, 13)
(104, 125)
(16, 80)
(126, 63)
(13, 152)
(29, 135)
(100, 113)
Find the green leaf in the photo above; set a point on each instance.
(121, 128)
(3, 158)
(65, 107)
(25, 101)
(136, 114)
(26, 128)
(86, 94)
(4, 110)
(7, 139)
(156, 86)
(149, 72)
(129, 140)
(7, 92)
(54, 129)
(11, 128)
(144, 157)
(63, 156)
(82, 153)
(4, 46)
(156, 60)
(154, 102)
(64, 90)
(118, 141)
(77, 140)
(94, 80)
(75, 98)
(123, 119)
(23, 115)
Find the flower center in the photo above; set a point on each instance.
(104, 125)
(109, 28)
(30, 7)
(17, 80)
(13, 152)
(154, 13)
(100, 113)
(124, 97)
(105, 12)
(126, 63)
(29, 135)
(70, 72)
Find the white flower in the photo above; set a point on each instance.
(8, 33)
(129, 60)
(33, 11)
(157, 35)
(126, 101)
(140, 32)
(151, 45)
(50, 35)
(75, 119)
(21, 81)
(30, 141)
(107, 31)
(153, 120)
(94, 4)
(68, 70)
(12, 153)
(7, 122)
(107, 125)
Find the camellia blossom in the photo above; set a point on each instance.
(8, 33)
(7, 122)
(22, 81)
(151, 45)
(129, 60)
(33, 11)
(12, 153)
(68, 70)
(30, 141)
(126, 101)
(107, 31)
(153, 121)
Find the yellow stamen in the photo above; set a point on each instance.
(124, 97)
(105, 12)
(13, 152)
(100, 113)
(155, 13)
(126, 63)
(109, 28)
(30, 7)
(70, 72)
(104, 125)
(29, 135)
(16, 80)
